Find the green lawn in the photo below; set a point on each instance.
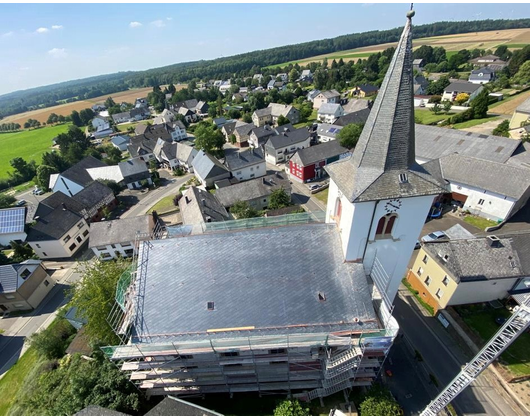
(479, 222)
(13, 380)
(482, 321)
(472, 123)
(323, 195)
(164, 205)
(427, 117)
(513, 45)
(27, 144)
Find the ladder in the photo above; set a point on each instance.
(342, 362)
(512, 328)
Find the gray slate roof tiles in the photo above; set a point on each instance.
(318, 153)
(235, 160)
(120, 230)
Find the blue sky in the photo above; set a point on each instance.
(48, 43)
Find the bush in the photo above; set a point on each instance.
(178, 171)
(52, 342)
(379, 402)
(462, 116)
(291, 408)
(177, 198)
(435, 99)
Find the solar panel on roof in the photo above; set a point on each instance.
(12, 220)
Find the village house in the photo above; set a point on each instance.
(288, 111)
(255, 192)
(185, 155)
(135, 173)
(281, 147)
(208, 169)
(101, 131)
(482, 76)
(521, 115)
(166, 154)
(12, 223)
(99, 121)
(242, 134)
(262, 117)
(75, 178)
(308, 164)
(23, 286)
(363, 91)
(417, 64)
(229, 127)
(329, 113)
(491, 61)
(120, 142)
(326, 97)
(247, 164)
(451, 91)
(312, 94)
(260, 135)
(306, 76)
(112, 239)
(198, 206)
(327, 132)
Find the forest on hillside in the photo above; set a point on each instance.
(240, 65)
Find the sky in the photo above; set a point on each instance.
(42, 44)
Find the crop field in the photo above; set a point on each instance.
(29, 145)
(66, 109)
(512, 38)
(507, 107)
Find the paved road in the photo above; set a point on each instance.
(301, 195)
(445, 359)
(151, 198)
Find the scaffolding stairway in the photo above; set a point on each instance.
(342, 362)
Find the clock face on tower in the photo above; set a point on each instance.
(393, 205)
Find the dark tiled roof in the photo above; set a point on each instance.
(92, 195)
(287, 138)
(54, 225)
(133, 167)
(119, 230)
(318, 153)
(172, 406)
(198, 206)
(368, 88)
(56, 200)
(263, 133)
(465, 87)
(78, 172)
(386, 148)
(207, 166)
(235, 160)
(263, 112)
(357, 117)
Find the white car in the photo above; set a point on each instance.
(434, 236)
(38, 191)
(314, 187)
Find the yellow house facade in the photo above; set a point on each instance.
(520, 115)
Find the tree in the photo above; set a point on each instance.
(113, 185)
(379, 402)
(76, 119)
(291, 408)
(349, 135)
(480, 104)
(51, 342)
(436, 109)
(43, 176)
(247, 117)
(94, 297)
(233, 138)
(447, 105)
(208, 138)
(279, 199)
(6, 200)
(86, 115)
(73, 144)
(24, 171)
(522, 77)
(461, 98)
(109, 102)
(55, 160)
(21, 252)
(242, 210)
(113, 155)
(294, 75)
(503, 129)
(437, 88)
(282, 120)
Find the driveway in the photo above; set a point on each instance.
(487, 127)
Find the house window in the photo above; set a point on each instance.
(67, 238)
(238, 173)
(101, 248)
(230, 354)
(481, 202)
(18, 305)
(257, 167)
(445, 281)
(80, 225)
(420, 271)
(439, 293)
(427, 280)
(10, 297)
(25, 274)
(44, 254)
(252, 169)
(277, 351)
(72, 247)
(79, 239)
(105, 255)
(85, 233)
(425, 259)
(385, 224)
(37, 245)
(46, 283)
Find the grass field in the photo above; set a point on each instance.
(472, 123)
(164, 205)
(427, 117)
(479, 222)
(66, 109)
(513, 38)
(29, 145)
(323, 195)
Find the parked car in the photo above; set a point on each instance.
(21, 202)
(434, 236)
(37, 191)
(314, 187)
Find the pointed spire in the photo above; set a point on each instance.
(386, 147)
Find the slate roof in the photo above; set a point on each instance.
(357, 117)
(279, 109)
(386, 150)
(206, 166)
(54, 225)
(10, 279)
(184, 151)
(263, 112)
(524, 107)
(252, 189)
(197, 206)
(78, 172)
(465, 87)
(119, 140)
(521, 156)
(92, 195)
(496, 177)
(244, 129)
(475, 259)
(263, 133)
(235, 160)
(328, 130)
(133, 167)
(56, 200)
(120, 230)
(368, 88)
(121, 115)
(435, 142)
(328, 94)
(287, 138)
(255, 277)
(317, 153)
(172, 406)
(355, 105)
(328, 108)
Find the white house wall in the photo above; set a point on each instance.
(250, 172)
(40, 292)
(58, 248)
(114, 251)
(66, 186)
(8, 237)
(481, 291)
(495, 206)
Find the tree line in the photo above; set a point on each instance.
(240, 65)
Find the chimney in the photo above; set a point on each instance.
(63, 206)
(493, 241)
(187, 200)
(203, 201)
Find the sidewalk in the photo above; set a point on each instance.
(452, 339)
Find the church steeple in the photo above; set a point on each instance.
(383, 163)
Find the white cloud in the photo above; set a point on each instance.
(135, 24)
(42, 30)
(158, 23)
(8, 34)
(24, 68)
(169, 18)
(58, 52)
(57, 26)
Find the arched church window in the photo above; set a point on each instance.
(385, 225)
(390, 224)
(338, 208)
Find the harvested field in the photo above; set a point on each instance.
(508, 107)
(66, 109)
